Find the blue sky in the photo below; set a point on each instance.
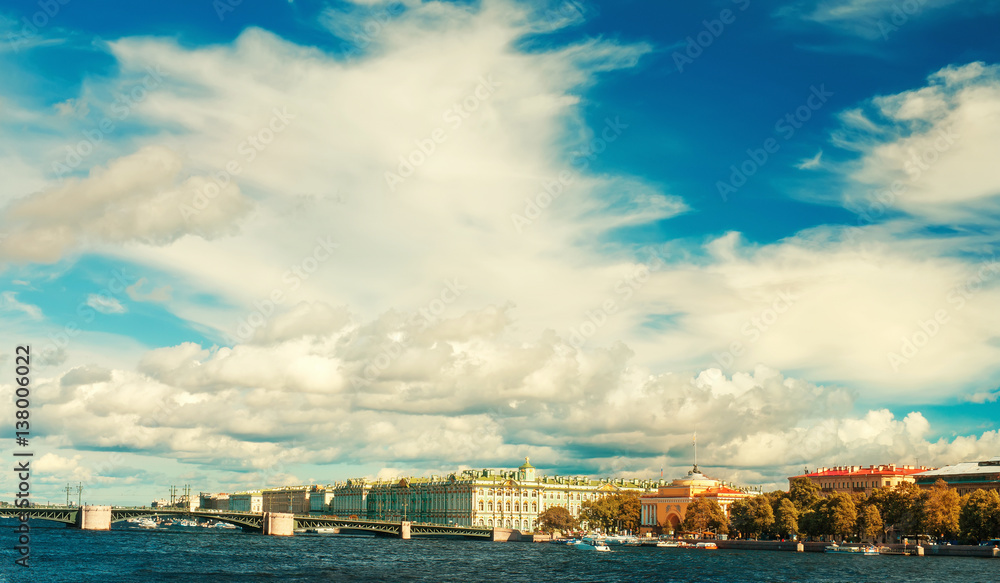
(283, 242)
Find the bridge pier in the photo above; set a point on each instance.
(404, 530)
(502, 535)
(94, 518)
(278, 523)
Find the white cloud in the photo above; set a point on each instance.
(105, 304)
(141, 197)
(930, 154)
(136, 292)
(870, 19)
(10, 302)
(810, 163)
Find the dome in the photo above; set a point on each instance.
(695, 478)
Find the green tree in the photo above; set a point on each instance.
(869, 525)
(557, 518)
(629, 511)
(901, 507)
(979, 515)
(618, 511)
(751, 516)
(811, 523)
(704, 515)
(804, 493)
(840, 516)
(941, 510)
(786, 519)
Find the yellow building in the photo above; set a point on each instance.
(860, 479)
(294, 499)
(663, 512)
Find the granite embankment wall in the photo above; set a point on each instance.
(817, 547)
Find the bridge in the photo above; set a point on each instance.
(272, 523)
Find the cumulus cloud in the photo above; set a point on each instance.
(471, 401)
(142, 197)
(926, 152)
(475, 311)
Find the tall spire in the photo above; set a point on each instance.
(695, 442)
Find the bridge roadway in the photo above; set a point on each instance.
(101, 517)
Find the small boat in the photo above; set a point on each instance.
(859, 550)
(592, 545)
(226, 525)
(671, 544)
(146, 523)
(707, 546)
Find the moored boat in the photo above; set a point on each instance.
(592, 545)
(707, 546)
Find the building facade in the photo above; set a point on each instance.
(249, 501)
(294, 499)
(350, 498)
(964, 477)
(663, 511)
(860, 479)
(208, 501)
(489, 498)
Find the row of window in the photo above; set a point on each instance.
(499, 506)
(525, 524)
(852, 484)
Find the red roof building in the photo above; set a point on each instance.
(860, 479)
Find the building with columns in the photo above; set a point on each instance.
(663, 511)
(490, 498)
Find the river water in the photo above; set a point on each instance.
(59, 554)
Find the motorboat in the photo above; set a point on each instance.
(671, 544)
(632, 541)
(590, 544)
(707, 546)
(859, 550)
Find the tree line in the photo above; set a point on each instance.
(903, 510)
